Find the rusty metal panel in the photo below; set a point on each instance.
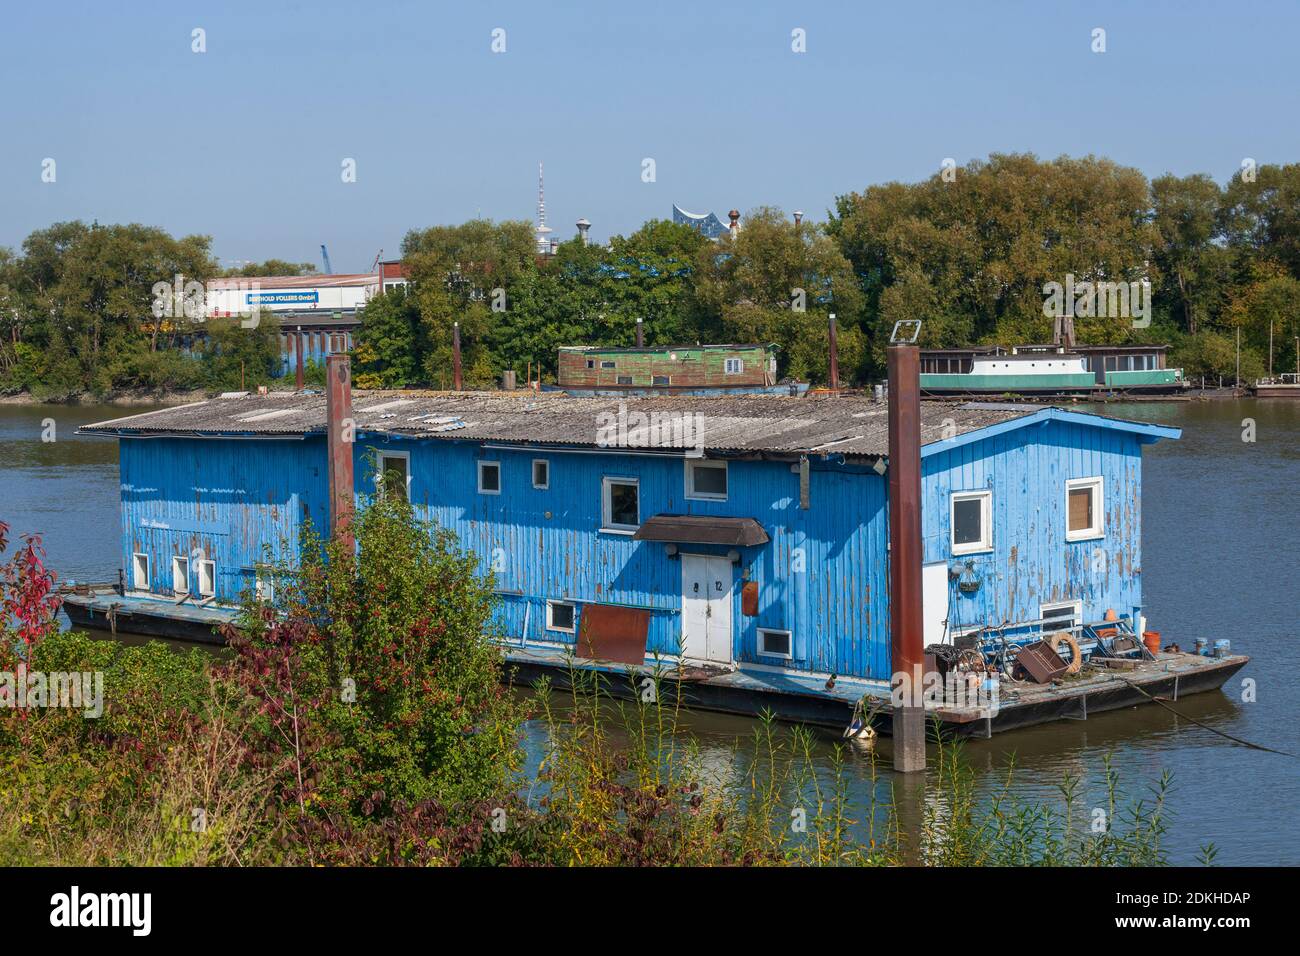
(611, 633)
(749, 599)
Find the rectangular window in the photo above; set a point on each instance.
(207, 579)
(264, 585)
(972, 521)
(773, 642)
(1083, 509)
(734, 366)
(660, 380)
(707, 480)
(140, 572)
(1110, 363)
(1060, 617)
(625, 380)
(541, 473)
(560, 616)
(621, 506)
(489, 477)
(591, 363)
(608, 365)
(180, 575)
(395, 472)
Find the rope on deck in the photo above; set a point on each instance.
(1236, 740)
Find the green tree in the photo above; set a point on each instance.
(390, 346)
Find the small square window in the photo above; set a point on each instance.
(591, 363)
(773, 642)
(621, 505)
(560, 616)
(971, 521)
(207, 579)
(489, 477)
(734, 366)
(180, 575)
(706, 479)
(541, 473)
(140, 572)
(1084, 509)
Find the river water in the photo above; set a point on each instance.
(1221, 543)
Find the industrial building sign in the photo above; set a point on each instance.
(282, 298)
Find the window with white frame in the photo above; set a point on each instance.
(489, 477)
(561, 616)
(207, 578)
(541, 473)
(621, 504)
(395, 472)
(1084, 509)
(1061, 616)
(733, 366)
(140, 572)
(971, 520)
(775, 642)
(180, 575)
(706, 479)
(264, 585)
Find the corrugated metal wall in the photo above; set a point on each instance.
(1032, 563)
(217, 500)
(823, 575)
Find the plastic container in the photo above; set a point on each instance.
(1152, 640)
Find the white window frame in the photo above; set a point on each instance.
(211, 567)
(263, 584)
(691, 464)
(733, 366)
(492, 464)
(763, 631)
(550, 617)
(985, 543)
(607, 504)
(136, 557)
(547, 484)
(183, 578)
(1098, 527)
(1076, 608)
(379, 477)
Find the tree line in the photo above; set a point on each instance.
(969, 251)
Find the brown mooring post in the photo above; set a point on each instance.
(905, 629)
(455, 357)
(835, 353)
(297, 351)
(338, 442)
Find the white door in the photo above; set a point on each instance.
(934, 602)
(706, 608)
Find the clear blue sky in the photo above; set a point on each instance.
(245, 141)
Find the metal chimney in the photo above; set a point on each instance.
(835, 354)
(640, 333)
(297, 348)
(455, 357)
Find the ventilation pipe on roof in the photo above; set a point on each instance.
(340, 432)
(297, 352)
(905, 619)
(835, 353)
(455, 356)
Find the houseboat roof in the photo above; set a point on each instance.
(762, 425)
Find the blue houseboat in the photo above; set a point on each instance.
(744, 536)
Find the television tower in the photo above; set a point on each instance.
(543, 230)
